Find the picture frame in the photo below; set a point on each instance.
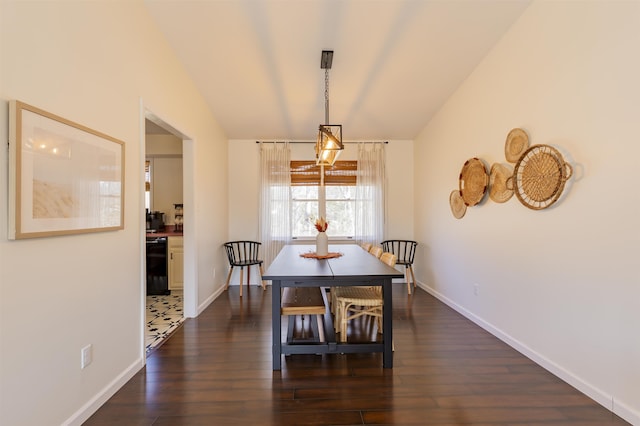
(64, 178)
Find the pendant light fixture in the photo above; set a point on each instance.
(329, 144)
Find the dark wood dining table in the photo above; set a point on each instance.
(355, 267)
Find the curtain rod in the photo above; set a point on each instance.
(385, 142)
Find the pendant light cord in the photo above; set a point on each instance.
(326, 96)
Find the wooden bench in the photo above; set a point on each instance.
(301, 301)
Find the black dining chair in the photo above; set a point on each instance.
(241, 254)
(405, 250)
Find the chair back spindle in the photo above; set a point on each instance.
(405, 250)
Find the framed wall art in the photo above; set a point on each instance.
(64, 178)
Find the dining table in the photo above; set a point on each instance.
(296, 266)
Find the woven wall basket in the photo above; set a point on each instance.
(516, 144)
(498, 176)
(473, 181)
(458, 207)
(539, 177)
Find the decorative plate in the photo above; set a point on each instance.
(473, 181)
(539, 177)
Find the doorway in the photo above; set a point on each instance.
(164, 203)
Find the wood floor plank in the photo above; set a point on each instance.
(216, 370)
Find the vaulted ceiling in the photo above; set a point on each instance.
(257, 62)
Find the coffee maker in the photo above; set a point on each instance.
(156, 220)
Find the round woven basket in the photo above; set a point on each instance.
(539, 177)
(516, 144)
(473, 181)
(498, 176)
(458, 207)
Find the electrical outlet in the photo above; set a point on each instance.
(476, 289)
(86, 356)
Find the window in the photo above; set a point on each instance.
(147, 185)
(304, 209)
(335, 201)
(340, 209)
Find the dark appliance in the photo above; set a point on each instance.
(157, 279)
(157, 221)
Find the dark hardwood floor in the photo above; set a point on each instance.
(216, 370)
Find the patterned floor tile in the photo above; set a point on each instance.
(164, 315)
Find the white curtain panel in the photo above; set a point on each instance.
(370, 194)
(275, 198)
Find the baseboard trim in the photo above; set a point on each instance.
(626, 412)
(88, 409)
(602, 398)
(209, 300)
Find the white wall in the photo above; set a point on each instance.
(244, 190)
(559, 284)
(244, 184)
(165, 154)
(92, 63)
(400, 190)
(166, 186)
(163, 145)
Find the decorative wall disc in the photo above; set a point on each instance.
(498, 176)
(458, 207)
(473, 181)
(539, 177)
(516, 144)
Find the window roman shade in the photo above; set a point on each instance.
(307, 173)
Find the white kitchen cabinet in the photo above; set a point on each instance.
(175, 262)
